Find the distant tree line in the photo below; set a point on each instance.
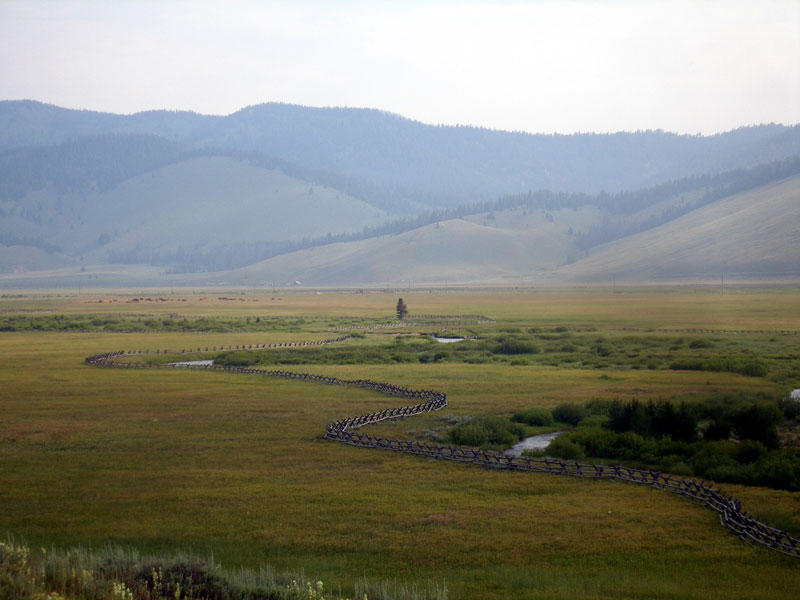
(400, 164)
(7, 239)
(92, 163)
(712, 187)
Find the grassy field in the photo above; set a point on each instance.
(234, 466)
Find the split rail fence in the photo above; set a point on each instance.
(347, 431)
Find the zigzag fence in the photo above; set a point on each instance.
(346, 431)
(202, 349)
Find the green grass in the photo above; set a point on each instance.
(233, 466)
(749, 355)
(119, 573)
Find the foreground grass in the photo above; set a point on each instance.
(117, 573)
(233, 466)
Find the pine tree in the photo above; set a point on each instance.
(402, 309)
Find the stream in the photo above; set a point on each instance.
(532, 443)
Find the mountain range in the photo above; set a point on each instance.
(332, 196)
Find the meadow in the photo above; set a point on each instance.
(234, 466)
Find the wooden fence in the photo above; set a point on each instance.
(347, 431)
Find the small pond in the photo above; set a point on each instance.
(193, 363)
(442, 340)
(535, 442)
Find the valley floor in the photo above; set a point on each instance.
(234, 466)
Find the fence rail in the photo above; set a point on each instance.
(347, 431)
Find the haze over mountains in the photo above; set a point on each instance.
(353, 196)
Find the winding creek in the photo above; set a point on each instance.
(535, 442)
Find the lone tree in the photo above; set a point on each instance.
(402, 309)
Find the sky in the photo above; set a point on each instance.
(545, 66)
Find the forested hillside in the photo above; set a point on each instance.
(404, 166)
(344, 195)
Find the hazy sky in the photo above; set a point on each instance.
(540, 66)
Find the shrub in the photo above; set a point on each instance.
(606, 444)
(790, 408)
(750, 451)
(193, 579)
(536, 417)
(563, 447)
(717, 430)
(628, 416)
(701, 343)
(711, 455)
(403, 357)
(594, 421)
(487, 432)
(750, 367)
(759, 422)
(515, 346)
(237, 359)
(599, 406)
(654, 419)
(779, 469)
(602, 350)
(569, 413)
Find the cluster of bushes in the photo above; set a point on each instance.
(752, 367)
(135, 324)
(488, 433)
(514, 345)
(534, 418)
(654, 419)
(747, 462)
(119, 574)
(726, 438)
(419, 352)
(729, 439)
(565, 348)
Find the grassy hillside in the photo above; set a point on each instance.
(197, 205)
(21, 259)
(750, 235)
(505, 244)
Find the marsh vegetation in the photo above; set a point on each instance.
(161, 461)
